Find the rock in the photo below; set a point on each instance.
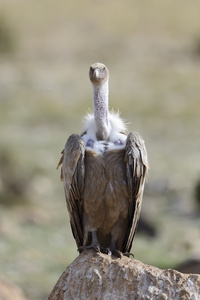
(99, 276)
(10, 291)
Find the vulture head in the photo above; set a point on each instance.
(98, 74)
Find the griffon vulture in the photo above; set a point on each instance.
(103, 172)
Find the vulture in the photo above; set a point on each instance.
(103, 172)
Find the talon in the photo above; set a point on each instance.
(81, 249)
(107, 251)
(128, 254)
(96, 248)
(117, 253)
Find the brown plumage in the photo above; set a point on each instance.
(104, 174)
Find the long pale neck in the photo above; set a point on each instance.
(100, 100)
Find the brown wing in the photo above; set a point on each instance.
(72, 174)
(136, 169)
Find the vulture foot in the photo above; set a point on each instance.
(95, 247)
(114, 252)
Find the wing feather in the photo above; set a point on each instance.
(136, 170)
(72, 174)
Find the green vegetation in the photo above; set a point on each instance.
(150, 49)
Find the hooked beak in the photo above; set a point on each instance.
(96, 73)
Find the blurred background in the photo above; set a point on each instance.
(152, 50)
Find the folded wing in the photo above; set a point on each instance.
(136, 170)
(72, 174)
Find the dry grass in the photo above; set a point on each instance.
(150, 49)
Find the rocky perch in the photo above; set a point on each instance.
(100, 276)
